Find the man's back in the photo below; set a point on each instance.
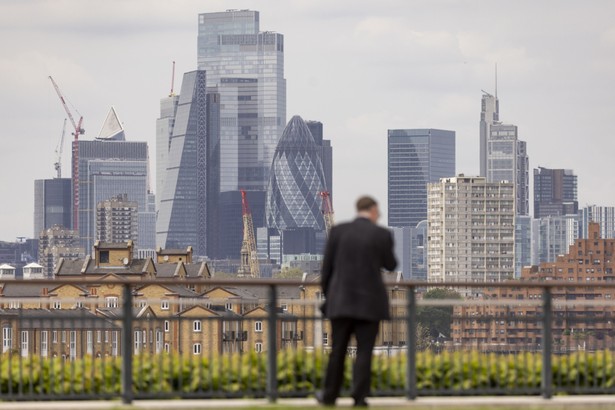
(351, 277)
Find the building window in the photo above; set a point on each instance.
(196, 348)
(284, 307)
(167, 347)
(229, 306)
(44, 343)
(167, 326)
(325, 339)
(164, 305)
(54, 336)
(57, 304)
(98, 336)
(258, 326)
(7, 339)
(104, 256)
(196, 326)
(112, 301)
(258, 347)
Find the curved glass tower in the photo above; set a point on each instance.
(296, 180)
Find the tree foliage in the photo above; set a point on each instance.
(437, 319)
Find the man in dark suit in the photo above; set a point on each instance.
(356, 297)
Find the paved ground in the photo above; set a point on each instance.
(561, 402)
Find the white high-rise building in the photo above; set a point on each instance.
(489, 115)
(471, 230)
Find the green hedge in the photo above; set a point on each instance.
(299, 373)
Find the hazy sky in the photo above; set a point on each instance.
(359, 66)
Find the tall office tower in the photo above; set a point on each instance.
(55, 243)
(293, 198)
(471, 230)
(507, 160)
(326, 154)
(246, 66)
(555, 192)
(117, 220)
(52, 204)
(108, 168)
(164, 133)
(603, 215)
(416, 157)
(525, 227)
(190, 180)
(489, 115)
(147, 225)
(555, 235)
(402, 239)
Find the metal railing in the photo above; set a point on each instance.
(87, 339)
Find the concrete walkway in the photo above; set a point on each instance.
(560, 402)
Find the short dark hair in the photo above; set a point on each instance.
(365, 203)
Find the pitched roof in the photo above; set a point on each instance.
(20, 289)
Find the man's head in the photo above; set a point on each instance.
(367, 207)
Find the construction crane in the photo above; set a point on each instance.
(75, 163)
(249, 256)
(327, 210)
(58, 164)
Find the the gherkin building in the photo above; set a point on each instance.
(296, 180)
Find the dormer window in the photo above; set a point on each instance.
(104, 256)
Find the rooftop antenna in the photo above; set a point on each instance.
(171, 94)
(496, 81)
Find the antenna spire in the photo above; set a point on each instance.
(171, 94)
(496, 81)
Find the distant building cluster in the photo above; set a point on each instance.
(225, 132)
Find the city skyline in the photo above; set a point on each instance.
(377, 66)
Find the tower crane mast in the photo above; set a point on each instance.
(249, 255)
(75, 161)
(58, 164)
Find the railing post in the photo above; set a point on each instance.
(547, 340)
(127, 394)
(272, 350)
(411, 320)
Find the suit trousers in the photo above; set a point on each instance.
(365, 332)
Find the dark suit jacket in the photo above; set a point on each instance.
(351, 271)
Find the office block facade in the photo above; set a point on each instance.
(52, 204)
(471, 230)
(507, 160)
(555, 192)
(604, 216)
(416, 157)
(326, 155)
(246, 67)
(108, 168)
(555, 235)
(164, 133)
(190, 182)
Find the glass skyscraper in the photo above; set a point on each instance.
(489, 115)
(416, 157)
(108, 168)
(555, 192)
(246, 67)
(189, 196)
(297, 178)
(507, 160)
(52, 204)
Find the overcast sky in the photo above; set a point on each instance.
(359, 66)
